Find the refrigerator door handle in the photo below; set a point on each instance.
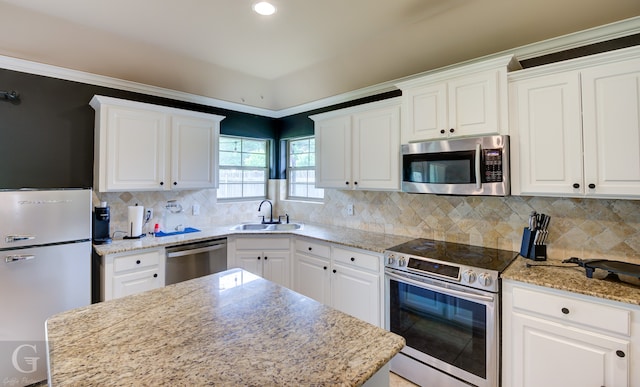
(18, 238)
(17, 258)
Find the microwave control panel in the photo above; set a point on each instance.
(492, 161)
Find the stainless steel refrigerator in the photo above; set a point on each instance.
(45, 268)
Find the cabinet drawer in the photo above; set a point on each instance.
(357, 258)
(267, 243)
(597, 316)
(313, 248)
(135, 261)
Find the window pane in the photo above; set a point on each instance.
(248, 174)
(254, 160)
(301, 169)
(254, 176)
(230, 158)
(299, 190)
(251, 146)
(254, 190)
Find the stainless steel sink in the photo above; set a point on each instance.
(267, 227)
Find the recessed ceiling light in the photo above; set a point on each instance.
(264, 8)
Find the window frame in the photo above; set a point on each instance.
(265, 170)
(290, 168)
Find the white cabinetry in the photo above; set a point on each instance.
(144, 147)
(311, 269)
(349, 280)
(576, 127)
(268, 257)
(359, 147)
(463, 101)
(555, 338)
(124, 274)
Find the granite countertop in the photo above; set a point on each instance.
(554, 274)
(376, 242)
(230, 328)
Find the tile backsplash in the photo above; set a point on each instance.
(585, 228)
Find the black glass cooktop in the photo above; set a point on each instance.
(458, 253)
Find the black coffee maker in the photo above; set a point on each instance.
(101, 220)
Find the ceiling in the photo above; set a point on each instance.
(308, 51)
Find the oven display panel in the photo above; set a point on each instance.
(434, 267)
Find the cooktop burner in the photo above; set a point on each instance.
(457, 253)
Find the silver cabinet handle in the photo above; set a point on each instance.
(18, 258)
(18, 238)
(478, 170)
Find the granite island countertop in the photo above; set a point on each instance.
(230, 328)
(554, 274)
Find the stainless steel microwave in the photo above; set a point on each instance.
(464, 166)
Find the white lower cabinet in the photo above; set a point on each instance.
(267, 257)
(349, 280)
(555, 338)
(124, 274)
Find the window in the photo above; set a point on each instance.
(243, 168)
(301, 169)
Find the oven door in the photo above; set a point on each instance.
(448, 327)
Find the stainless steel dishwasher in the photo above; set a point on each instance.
(193, 260)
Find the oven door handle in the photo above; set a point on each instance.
(440, 289)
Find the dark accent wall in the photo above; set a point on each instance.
(46, 141)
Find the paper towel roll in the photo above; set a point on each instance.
(135, 221)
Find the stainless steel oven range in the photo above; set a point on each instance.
(444, 299)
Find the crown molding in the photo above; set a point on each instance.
(594, 35)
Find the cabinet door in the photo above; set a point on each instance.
(333, 153)
(194, 150)
(376, 149)
(136, 282)
(357, 293)
(136, 154)
(553, 355)
(475, 104)
(611, 100)
(311, 278)
(425, 113)
(546, 135)
(250, 261)
(275, 267)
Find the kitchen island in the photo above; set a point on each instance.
(230, 328)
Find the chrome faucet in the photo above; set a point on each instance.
(270, 212)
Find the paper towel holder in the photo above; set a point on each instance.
(131, 224)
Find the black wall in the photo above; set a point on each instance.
(46, 140)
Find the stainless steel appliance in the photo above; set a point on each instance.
(45, 268)
(444, 299)
(465, 166)
(193, 260)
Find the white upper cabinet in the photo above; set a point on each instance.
(144, 147)
(546, 136)
(575, 127)
(359, 147)
(611, 127)
(467, 100)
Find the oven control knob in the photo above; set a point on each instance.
(391, 259)
(485, 279)
(402, 262)
(469, 276)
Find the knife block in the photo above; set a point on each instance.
(528, 248)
